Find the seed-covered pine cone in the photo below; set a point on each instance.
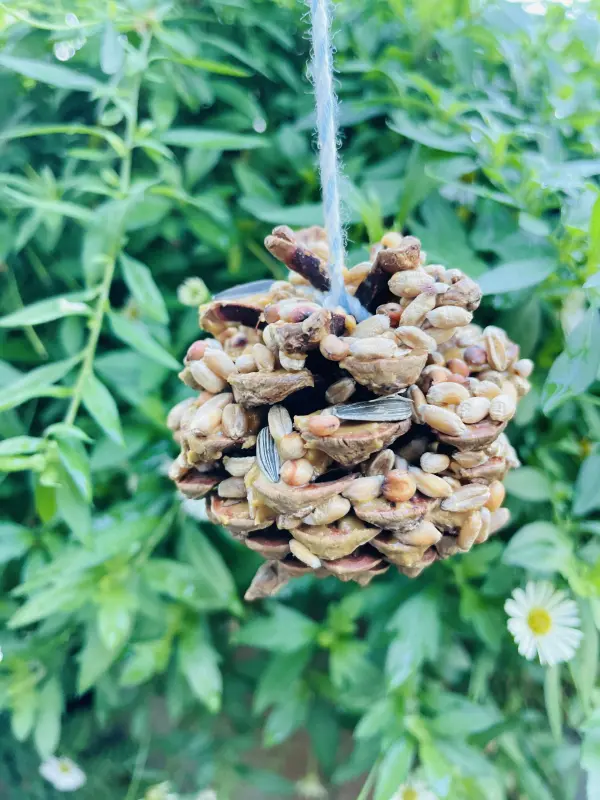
(340, 448)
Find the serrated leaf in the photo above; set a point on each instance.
(137, 336)
(144, 290)
(101, 405)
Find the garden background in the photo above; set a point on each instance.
(145, 143)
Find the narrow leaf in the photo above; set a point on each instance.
(136, 335)
(46, 311)
(213, 140)
(53, 74)
(144, 290)
(101, 405)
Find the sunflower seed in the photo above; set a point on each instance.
(383, 409)
(467, 498)
(267, 455)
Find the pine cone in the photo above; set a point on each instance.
(338, 448)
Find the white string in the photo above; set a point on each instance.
(326, 103)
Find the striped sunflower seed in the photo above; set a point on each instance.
(267, 455)
(393, 408)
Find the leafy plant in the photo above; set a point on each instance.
(144, 143)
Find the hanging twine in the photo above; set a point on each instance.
(327, 136)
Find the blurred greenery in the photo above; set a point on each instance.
(146, 142)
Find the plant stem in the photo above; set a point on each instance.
(368, 785)
(102, 304)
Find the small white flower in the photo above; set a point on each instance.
(414, 790)
(161, 791)
(63, 774)
(193, 292)
(543, 620)
(311, 788)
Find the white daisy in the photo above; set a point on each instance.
(414, 790)
(543, 621)
(63, 774)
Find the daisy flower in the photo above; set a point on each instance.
(414, 790)
(63, 774)
(543, 620)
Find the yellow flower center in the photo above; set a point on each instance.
(410, 794)
(540, 621)
(64, 767)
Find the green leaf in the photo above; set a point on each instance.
(216, 67)
(47, 602)
(528, 483)
(75, 461)
(115, 618)
(577, 367)
(593, 261)
(587, 496)
(416, 624)
(540, 547)
(183, 583)
(94, 660)
(394, 768)
(423, 133)
(584, 666)
(145, 292)
(145, 660)
(24, 707)
(283, 671)
(137, 336)
(285, 718)
(36, 383)
(52, 74)
(112, 53)
(47, 727)
(212, 140)
(101, 406)
(303, 215)
(48, 310)
(15, 540)
(552, 698)
(510, 277)
(25, 131)
(198, 661)
(74, 509)
(590, 752)
(210, 567)
(284, 631)
(21, 445)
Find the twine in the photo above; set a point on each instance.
(327, 137)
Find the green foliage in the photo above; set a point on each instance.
(165, 148)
